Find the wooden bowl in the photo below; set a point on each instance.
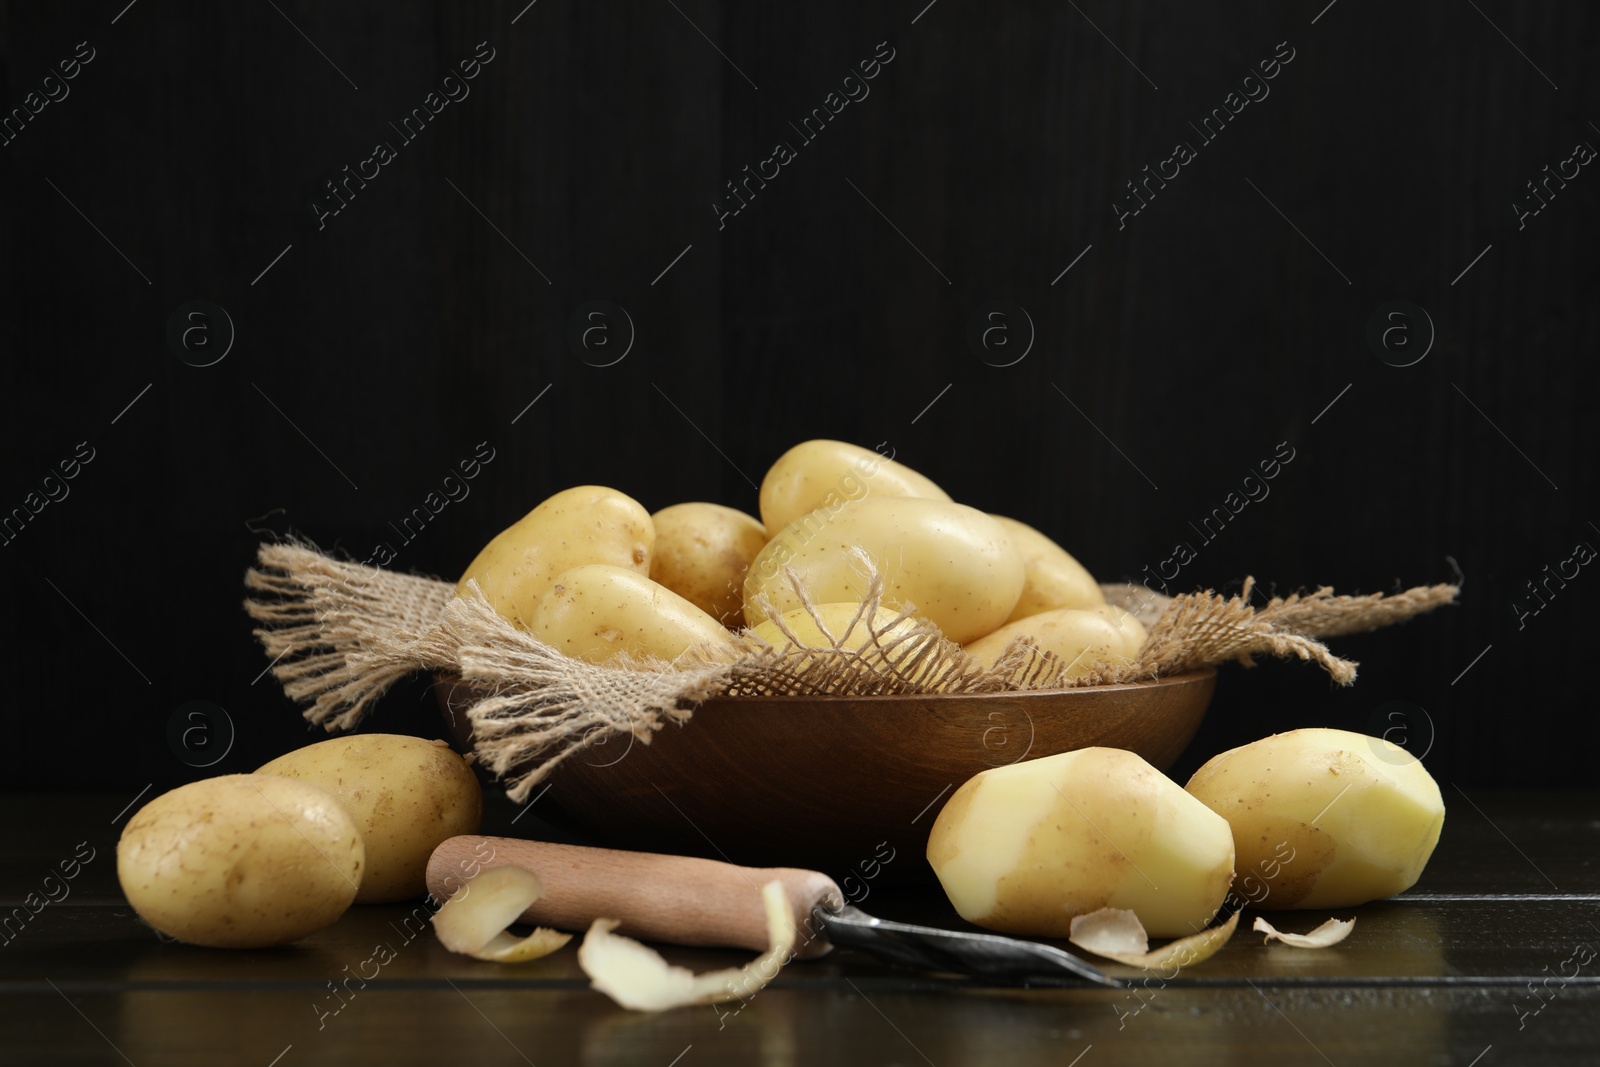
(846, 785)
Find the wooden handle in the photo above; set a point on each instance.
(675, 899)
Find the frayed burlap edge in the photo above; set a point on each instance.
(341, 633)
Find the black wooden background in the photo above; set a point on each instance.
(373, 349)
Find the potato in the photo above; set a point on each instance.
(405, 794)
(954, 563)
(241, 861)
(1054, 578)
(1026, 847)
(829, 474)
(1323, 818)
(702, 552)
(1132, 630)
(597, 612)
(585, 524)
(1081, 638)
(843, 626)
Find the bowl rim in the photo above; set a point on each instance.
(1189, 677)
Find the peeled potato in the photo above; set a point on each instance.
(830, 474)
(577, 526)
(241, 861)
(953, 563)
(702, 552)
(405, 794)
(1324, 818)
(1054, 578)
(597, 612)
(1082, 639)
(1025, 848)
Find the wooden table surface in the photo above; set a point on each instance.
(1493, 958)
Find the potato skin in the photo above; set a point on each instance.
(826, 475)
(1054, 578)
(241, 861)
(836, 630)
(1323, 818)
(597, 613)
(702, 552)
(1025, 848)
(1082, 639)
(584, 524)
(953, 562)
(405, 795)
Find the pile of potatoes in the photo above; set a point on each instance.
(251, 860)
(592, 574)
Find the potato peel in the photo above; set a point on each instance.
(1329, 933)
(637, 978)
(1117, 934)
(473, 921)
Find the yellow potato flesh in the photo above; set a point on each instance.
(1323, 818)
(829, 474)
(597, 612)
(953, 563)
(1081, 639)
(1025, 848)
(581, 525)
(1054, 578)
(241, 861)
(702, 552)
(405, 794)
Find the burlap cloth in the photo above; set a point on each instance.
(340, 633)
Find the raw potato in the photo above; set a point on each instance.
(1133, 631)
(405, 794)
(597, 612)
(1082, 639)
(240, 861)
(702, 552)
(1026, 847)
(828, 475)
(585, 524)
(1324, 818)
(842, 625)
(1055, 579)
(954, 563)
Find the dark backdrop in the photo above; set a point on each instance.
(373, 349)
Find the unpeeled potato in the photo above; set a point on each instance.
(1082, 639)
(405, 794)
(702, 552)
(953, 563)
(577, 526)
(597, 613)
(842, 626)
(1054, 578)
(829, 474)
(241, 861)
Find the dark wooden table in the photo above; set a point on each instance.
(1494, 958)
